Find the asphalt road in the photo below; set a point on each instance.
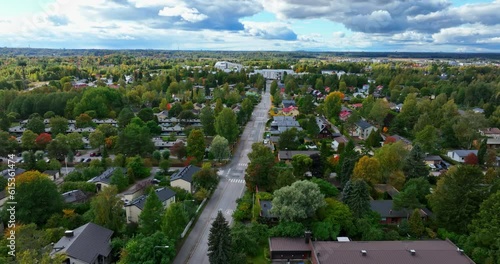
(230, 188)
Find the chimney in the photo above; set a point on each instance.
(390, 211)
(68, 233)
(363, 252)
(307, 236)
(412, 252)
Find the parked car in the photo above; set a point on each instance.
(92, 154)
(78, 154)
(88, 160)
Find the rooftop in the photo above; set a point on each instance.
(163, 194)
(185, 173)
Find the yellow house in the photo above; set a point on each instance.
(184, 178)
(134, 208)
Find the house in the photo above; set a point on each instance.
(290, 111)
(104, 180)
(134, 208)
(74, 196)
(136, 191)
(287, 249)
(493, 143)
(184, 178)
(89, 243)
(391, 216)
(345, 113)
(386, 189)
(286, 155)
(283, 123)
(397, 138)
(491, 132)
(8, 173)
(433, 159)
(288, 103)
(362, 129)
(342, 140)
(325, 130)
(460, 154)
(53, 174)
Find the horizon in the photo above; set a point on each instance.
(451, 26)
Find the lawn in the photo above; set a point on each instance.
(261, 258)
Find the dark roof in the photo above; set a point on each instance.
(105, 177)
(185, 173)
(384, 208)
(288, 244)
(288, 154)
(17, 171)
(389, 189)
(390, 252)
(51, 172)
(88, 242)
(162, 193)
(265, 206)
(433, 158)
(287, 103)
(74, 196)
(363, 124)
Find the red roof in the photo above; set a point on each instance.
(359, 105)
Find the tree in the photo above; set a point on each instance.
(206, 178)
(427, 138)
(179, 150)
(124, 117)
(226, 125)
(43, 140)
(484, 232)
(312, 127)
(28, 140)
(37, 198)
(8, 144)
(379, 111)
(466, 128)
(471, 159)
(298, 201)
(150, 217)
(74, 141)
(83, 120)
(481, 153)
(326, 188)
(347, 162)
(417, 227)
(367, 169)
(357, 197)
(391, 158)
(337, 213)
(285, 177)
(36, 125)
(301, 164)
(174, 221)
(137, 169)
(374, 139)
(145, 249)
(288, 139)
(107, 129)
(58, 125)
(259, 170)
(207, 119)
(306, 104)
(119, 179)
(135, 139)
(4, 121)
(196, 145)
(146, 114)
(457, 197)
(333, 104)
(219, 241)
(274, 87)
(220, 148)
(96, 139)
(107, 209)
(414, 165)
(407, 199)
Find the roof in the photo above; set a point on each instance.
(74, 196)
(287, 103)
(464, 152)
(389, 189)
(400, 138)
(341, 139)
(265, 206)
(17, 171)
(185, 173)
(490, 131)
(51, 172)
(105, 177)
(163, 194)
(288, 244)
(288, 154)
(433, 158)
(88, 242)
(384, 208)
(363, 124)
(390, 252)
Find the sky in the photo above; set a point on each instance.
(281, 25)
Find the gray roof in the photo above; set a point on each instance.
(433, 158)
(363, 124)
(105, 177)
(51, 172)
(163, 194)
(283, 118)
(88, 242)
(185, 173)
(74, 196)
(288, 154)
(288, 244)
(384, 208)
(17, 171)
(265, 206)
(464, 152)
(287, 103)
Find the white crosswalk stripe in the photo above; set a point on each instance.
(236, 180)
(243, 164)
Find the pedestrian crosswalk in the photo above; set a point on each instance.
(243, 164)
(236, 180)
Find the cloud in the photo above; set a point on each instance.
(186, 13)
(269, 30)
(58, 20)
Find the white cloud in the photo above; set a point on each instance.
(188, 14)
(269, 30)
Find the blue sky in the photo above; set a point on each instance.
(319, 25)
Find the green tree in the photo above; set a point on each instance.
(347, 161)
(83, 120)
(150, 217)
(36, 125)
(414, 165)
(74, 141)
(37, 198)
(326, 188)
(274, 87)
(458, 196)
(58, 125)
(379, 111)
(219, 241)
(333, 104)
(298, 201)
(391, 158)
(58, 148)
(174, 221)
(288, 139)
(119, 179)
(407, 199)
(124, 117)
(207, 119)
(135, 139)
(96, 139)
(357, 197)
(206, 178)
(259, 170)
(28, 140)
(226, 125)
(107, 209)
(196, 145)
(306, 104)
(220, 148)
(107, 129)
(146, 114)
(152, 249)
(481, 154)
(417, 227)
(337, 213)
(301, 164)
(137, 169)
(285, 177)
(427, 138)
(8, 144)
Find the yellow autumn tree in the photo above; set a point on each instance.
(367, 169)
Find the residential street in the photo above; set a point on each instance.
(230, 188)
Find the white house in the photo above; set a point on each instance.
(363, 129)
(184, 178)
(337, 141)
(460, 154)
(134, 208)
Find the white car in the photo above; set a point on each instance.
(266, 141)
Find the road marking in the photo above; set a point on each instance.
(233, 180)
(243, 164)
(229, 212)
(228, 172)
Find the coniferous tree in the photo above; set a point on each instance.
(414, 165)
(481, 154)
(417, 227)
(347, 162)
(357, 197)
(150, 217)
(219, 241)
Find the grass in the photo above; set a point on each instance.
(261, 258)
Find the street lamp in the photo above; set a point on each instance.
(154, 251)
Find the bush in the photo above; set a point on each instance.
(265, 196)
(287, 229)
(77, 185)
